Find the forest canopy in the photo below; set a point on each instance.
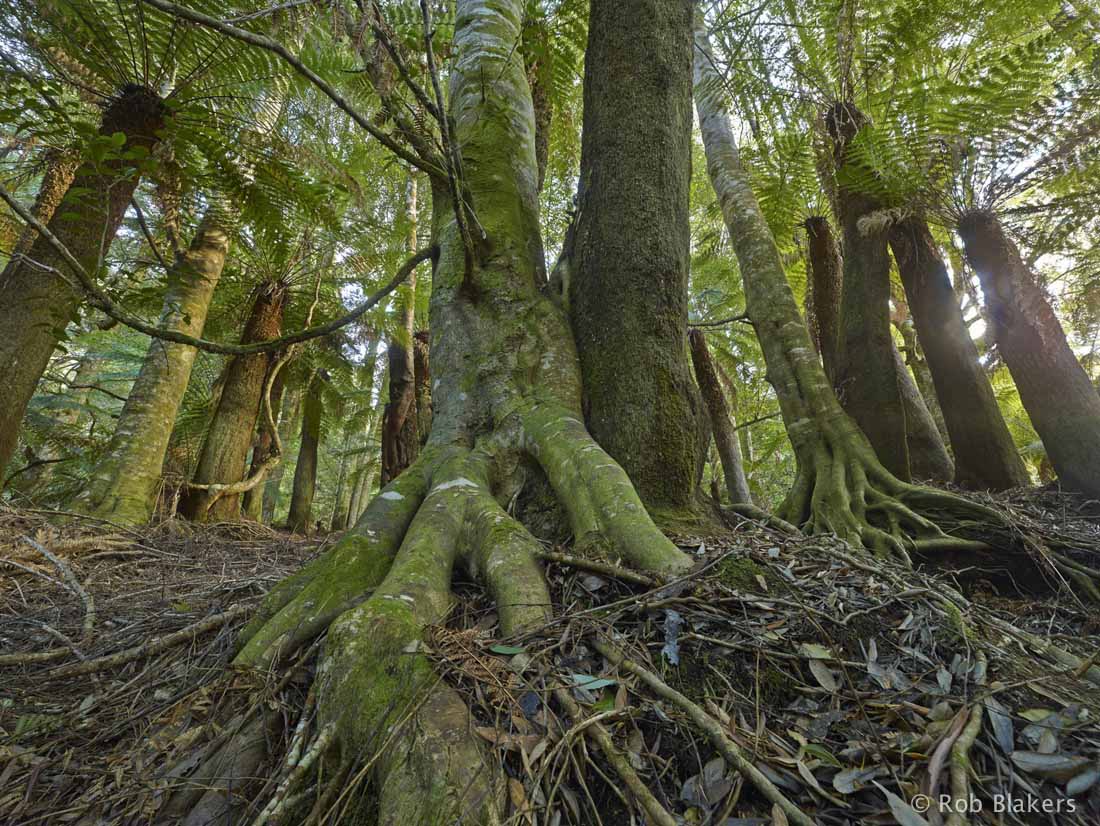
(547, 363)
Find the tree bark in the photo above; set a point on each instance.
(400, 432)
(229, 436)
(61, 168)
(825, 289)
(288, 422)
(123, 486)
(721, 422)
(305, 470)
(865, 368)
(928, 456)
(629, 258)
(1055, 390)
(985, 455)
(252, 503)
(36, 303)
(344, 482)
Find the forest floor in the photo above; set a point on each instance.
(853, 685)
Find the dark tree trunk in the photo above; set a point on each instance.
(825, 289)
(1055, 390)
(400, 435)
(252, 504)
(725, 438)
(865, 370)
(423, 386)
(630, 248)
(928, 456)
(37, 304)
(985, 455)
(305, 471)
(225, 448)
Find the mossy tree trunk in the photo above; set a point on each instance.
(721, 422)
(1055, 390)
(37, 298)
(629, 257)
(985, 455)
(229, 435)
(840, 486)
(123, 486)
(305, 469)
(865, 368)
(506, 391)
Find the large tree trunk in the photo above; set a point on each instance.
(506, 394)
(928, 456)
(985, 455)
(36, 303)
(229, 436)
(721, 422)
(840, 486)
(305, 470)
(865, 374)
(1055, 390)
(123, 486)
(629, 256)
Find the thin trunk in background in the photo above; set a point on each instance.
(825, 287)
(721, 420)
(344, 482)
(37, 298)
(400, 432)
(1055, 390)
(252, 501)
(289, 419)
(305, 471)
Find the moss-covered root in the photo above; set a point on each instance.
(302, 606)
(381, 693)
(844, 490)
(598, 497)
(500, 552)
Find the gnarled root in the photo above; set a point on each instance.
(384, 711)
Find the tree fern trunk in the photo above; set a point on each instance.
(1055, 390)
(229, 436)
(985, 455)
(36, 303)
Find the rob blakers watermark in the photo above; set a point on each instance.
(998, 804)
